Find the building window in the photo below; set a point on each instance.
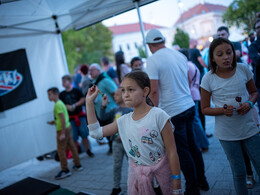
(136, 45)
(128, 46)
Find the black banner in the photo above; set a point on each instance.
(16, 86)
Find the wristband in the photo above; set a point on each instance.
(176, 176)
(251, 103)
(73, 106)
(178, 191)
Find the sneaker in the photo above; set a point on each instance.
(209, 135)
(116, 191)
(250, 181)
(62, 174)
(90, 154)
(204, 150)
(204, 186)
(109, 151)
(77, 168)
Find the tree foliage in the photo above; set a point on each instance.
(242, 13)
(88, 45)
(181, 38)
(141, 52)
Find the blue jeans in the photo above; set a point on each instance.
(199, 134)
(233, 150)
(258, 100)
(81, 130)
(190, 156)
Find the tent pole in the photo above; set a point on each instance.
(141, 26)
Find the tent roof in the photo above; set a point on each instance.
(32, 17)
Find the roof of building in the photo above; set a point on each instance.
(128, 28)
(200, 9)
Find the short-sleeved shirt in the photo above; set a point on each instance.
(58, 109)
(254, 50)
(225, 91)
(194, 77)
(108, 87)
(142, 139)
(112, 73)
(70, 98)
(124, 69)
(170, 68)
(205, 55)
(237, 46)
(115, 113)
(194, 54)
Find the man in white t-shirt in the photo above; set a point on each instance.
(168, 71)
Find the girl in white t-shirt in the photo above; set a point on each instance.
(147, 137)
(232, 89)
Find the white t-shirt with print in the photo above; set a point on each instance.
(170, 68)
(225, 91)
(142, 139)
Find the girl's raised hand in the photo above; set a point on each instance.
(92, 94)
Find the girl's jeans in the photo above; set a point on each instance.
(233, 150)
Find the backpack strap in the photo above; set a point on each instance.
(193, 80)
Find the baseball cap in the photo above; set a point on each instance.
(154, 36)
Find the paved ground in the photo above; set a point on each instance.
(97, 176)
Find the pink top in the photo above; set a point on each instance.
(194, 80)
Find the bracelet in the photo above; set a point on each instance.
(176, 176)
(179, 191)
(251, 103)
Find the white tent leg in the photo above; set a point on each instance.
(141, 26)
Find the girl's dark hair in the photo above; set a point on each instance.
(134, 59)
(84, 69)
(120, 59)
(185, 52)
(142, 80)
(216, 42)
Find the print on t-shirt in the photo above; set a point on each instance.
(156, 156)
(134, 150)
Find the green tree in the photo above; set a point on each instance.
(181, 38)
(141, 52)
(87, 45)
(242, 13)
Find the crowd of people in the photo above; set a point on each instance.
(155, 115)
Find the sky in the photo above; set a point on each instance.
(162, 12)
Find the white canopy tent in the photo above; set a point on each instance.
(35, 25)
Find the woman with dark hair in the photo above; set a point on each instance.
(232, 89)
(136, 63)
(121, 68)
(85, 79)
